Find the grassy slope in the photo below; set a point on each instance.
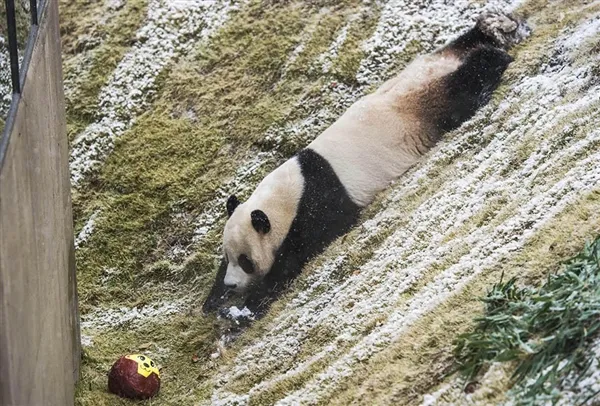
(422, 358)
(94, 39)
(213, 109)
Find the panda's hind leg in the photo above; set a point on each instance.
(470, 86)
(494, 29)
(483, 60)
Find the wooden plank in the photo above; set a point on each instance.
(39, 332)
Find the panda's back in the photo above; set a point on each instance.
(368, 147)
(383, 134)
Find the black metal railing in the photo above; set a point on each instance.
(13, 47)
(18, 63)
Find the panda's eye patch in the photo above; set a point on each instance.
(245, 263)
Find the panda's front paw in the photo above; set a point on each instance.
(505, 29)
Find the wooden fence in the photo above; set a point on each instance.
(39, 324)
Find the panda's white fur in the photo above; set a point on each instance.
(374, 142)
(278, 195)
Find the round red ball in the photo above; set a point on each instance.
(134, 376)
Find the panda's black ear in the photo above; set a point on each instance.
(260, 221)
(232, 203)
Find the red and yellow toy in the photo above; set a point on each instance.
(134, 376)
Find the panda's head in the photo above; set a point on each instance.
(255, 233)
(249, 245)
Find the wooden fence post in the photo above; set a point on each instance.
(39, 321)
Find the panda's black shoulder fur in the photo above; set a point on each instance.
(325, 212)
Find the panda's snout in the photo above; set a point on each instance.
(236, 279)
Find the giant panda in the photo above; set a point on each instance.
(318, 194)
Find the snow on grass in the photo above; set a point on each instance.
(454, 391)
(109, 274)
(304, 39)
(404, 22)
(326, 59)
(585, 32)
(172, 28)
(562, 168)
(431, 399)
(5, 84)
(114, 4)
(103, 319)
(87, 230)
(86, 341)
(579, 389)
(76, 72)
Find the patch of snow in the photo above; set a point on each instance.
(114, 4)
(431, 399)
(109, 318)
(109, 274)
(87, 341)
(403, 22)
(577, 388)
(177, 252)
(234, 313)
(5, 79)
(584, 32)
(171, 30)
(326, 59)
(87, 230)
(562, 168)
